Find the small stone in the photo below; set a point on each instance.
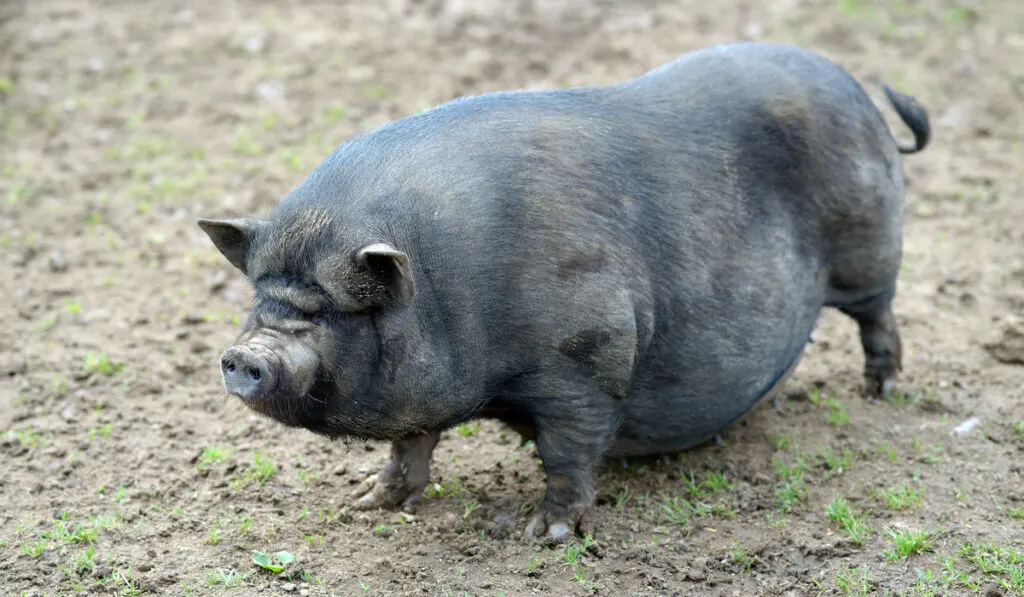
(254, 45)
(753, 30)
(288, 587)
(58, 261)
(304, 592)
(68, 413)
(1008, 345)
(340, 470)
(964, 428)
(272, 92)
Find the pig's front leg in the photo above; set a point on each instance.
(403, 478)
(570, 448)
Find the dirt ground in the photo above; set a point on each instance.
(127, 469)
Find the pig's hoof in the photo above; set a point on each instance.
(372, 493)
(880, 387)
(552, 533)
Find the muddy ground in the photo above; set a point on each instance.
(127, 470)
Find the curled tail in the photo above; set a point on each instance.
(915, 117)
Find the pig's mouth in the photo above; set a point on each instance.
(269, 372)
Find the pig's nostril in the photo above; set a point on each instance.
(253, 373)
(230, 367)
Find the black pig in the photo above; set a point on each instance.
(612, 271)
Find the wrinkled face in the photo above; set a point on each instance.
(310, 346)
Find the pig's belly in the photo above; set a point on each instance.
(664, 418)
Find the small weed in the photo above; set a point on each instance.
(739, 556)
(932, 453)
(848, 521)
(889, 451)
(121, 495)
(835, 464)
(468, 429)
(244, 525)
(224, 577)
(374, 91)
(34, 549)
(716, 482)
(635, 467)
(791, 489)
(958, 15)
(468, 508)
(573, 557)
(622, 498)
(334, 113)
(856, 9)
(308, 478)
(992, 559)
(533, 566)
(72, 307)
(900, 399)
(677, 510)
(27, 438)
(850, 583)
(444, 489)
(101, 363)
(292, 159)
(48, 323)
(212, 455)
(123, 577)
(781, 442)
(101, 431)
(1018, 430)
(383, 530)
(899, 498)
(245, 145)
(836, 415)
(63, 532)
(213, 536)
(953, 576)
(275, 562)
(1015, 513)
(908, 543)
(84, 561)
(263, 468)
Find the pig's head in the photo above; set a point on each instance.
(308, 352)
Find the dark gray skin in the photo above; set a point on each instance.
(612, 271)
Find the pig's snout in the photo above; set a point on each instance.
(246, 374)
(264, 368)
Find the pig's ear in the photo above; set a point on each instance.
(232, 237)
(389, 266)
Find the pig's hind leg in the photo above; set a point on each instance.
(880, 338)
(863, 287)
